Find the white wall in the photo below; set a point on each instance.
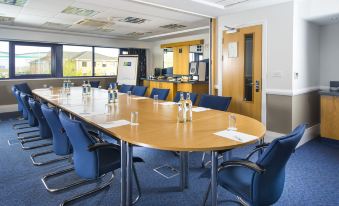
(329, 54)
(157, 52)
(277, 23)
(306, 52)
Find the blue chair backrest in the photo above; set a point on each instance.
(112, 84)
(267, 187)
(45, 131)
(162, 93)
(94, 84)
(125, 88)
(139, 90)
(32, 121)
(61, 144)
(215, 102)
(86, 163)
(193, 96)
(17, 99)
(24, 110)
(23, 87)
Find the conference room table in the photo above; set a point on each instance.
(157, 128)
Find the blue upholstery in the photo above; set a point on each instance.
(162, 93)
(32, 121)
(139, 90)
(45, 131)
(24, 110)
(112, 84)
(88, 165)
(193, 97)
(61, 144)
(20, 109)
(215, 102)
(94, 84)
(125, 88)
(263, 188)
(23, 87)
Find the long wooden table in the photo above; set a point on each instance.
(158, 128)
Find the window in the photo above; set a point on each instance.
(106, 61)
(168, 58)
(4, 59)
(33, 60)
(77, 61)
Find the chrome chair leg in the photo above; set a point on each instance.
(89, 192)
(203, 159)
(207, 193)
(33, 156)
(26, 132)
(26, 125)
(59, 173)
(138, 185)
(35, 146)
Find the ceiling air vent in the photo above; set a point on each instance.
(79, 11)
(135, 34)
(93, 23)
(5, 19)
(14, 2)
(133, 20)
(173, 26)
(56, 25)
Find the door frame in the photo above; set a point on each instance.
(263, 60)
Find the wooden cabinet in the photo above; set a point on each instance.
(329, 119)
(181, 60)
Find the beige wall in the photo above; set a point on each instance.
(6, 97)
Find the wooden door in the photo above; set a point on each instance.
(242, 70)
(181, 60)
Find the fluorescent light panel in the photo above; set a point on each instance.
(174, 33)
(208, 3)
(171, 8)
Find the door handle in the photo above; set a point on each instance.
(257, 85)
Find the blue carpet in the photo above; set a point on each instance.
(311, 178)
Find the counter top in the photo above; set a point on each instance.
(176, 82)
(329, 93)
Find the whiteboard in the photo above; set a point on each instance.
(127, 69)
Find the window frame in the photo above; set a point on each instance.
(9, 61)
(94, 62)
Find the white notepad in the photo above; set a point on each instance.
(139, 98)
(116, 123)
(236, 136)
(200, 109)
(168, 103)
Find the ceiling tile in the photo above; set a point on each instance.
(30, 20)
(10, 11)
(38, 12)
(49, 5)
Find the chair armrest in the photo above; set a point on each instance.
(98, 146)
(95, 136)
(257, 149)
(242, 163)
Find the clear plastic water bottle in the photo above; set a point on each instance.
(115, 94)
(110, 94)
(84, 88)
(188, 108)
(88, 88)
(182, 109)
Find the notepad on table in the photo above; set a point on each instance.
(236, 136)
(168, 103)
(200, 109)
(116, 123)
(139, 98)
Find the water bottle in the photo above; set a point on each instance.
(181, 109)
(188, 108)
(84, 88)
(110, 94)
(88, 88)
(115, 94)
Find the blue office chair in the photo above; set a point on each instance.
(61, 146)
(125, 88)
(162, 93)
(22, 112)
(92, 160)
(193, 97)
(94, 84)
(23, 87)
(112, 84)
(215, 102)
(139, 91)
(261, 182)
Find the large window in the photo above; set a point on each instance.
(77, 61)
(106, 61)
(32, 60)
(4, 59)
(168, 58)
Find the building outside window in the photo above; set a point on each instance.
(106, 61)
(4, 59)
(77, 61)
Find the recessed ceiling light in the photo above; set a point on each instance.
(171, 8)
(208, 3)
(176, 32)
(79, 11)
(14, 2)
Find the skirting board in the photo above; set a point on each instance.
(8, 108)
(310, 133)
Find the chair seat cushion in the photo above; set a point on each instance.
(237, 180)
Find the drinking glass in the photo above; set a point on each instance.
(134, 118)
(129, 93)
(155, 99)
(232, 122)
